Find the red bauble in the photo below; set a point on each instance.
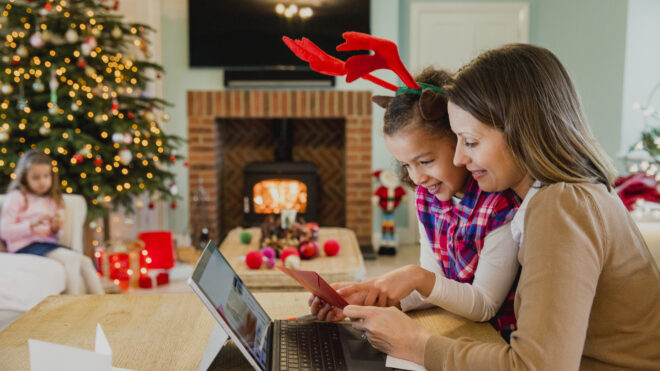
(172, 158)
(81, 63)
(288, 251)
(185, 164)
(253, 259)
(173, 205)
(98, 161)
(78, 158)
(129, 115)
(308, 250)
(48, 6)
(331, 247)
(313, 226)
(151, 205)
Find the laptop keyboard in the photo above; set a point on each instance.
(310, 346)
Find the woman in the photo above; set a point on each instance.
(589, 292)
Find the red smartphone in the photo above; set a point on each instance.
(315, 284)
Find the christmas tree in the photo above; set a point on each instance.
(72, 85)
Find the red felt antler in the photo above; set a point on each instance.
(386, 55)
(326, 64)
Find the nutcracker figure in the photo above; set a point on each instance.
(388, 196)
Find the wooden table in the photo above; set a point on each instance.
(167, 331)
(348, 265)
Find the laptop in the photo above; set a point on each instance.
(269, 344)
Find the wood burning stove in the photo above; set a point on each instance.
(270, 187)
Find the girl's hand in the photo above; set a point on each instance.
(391, 331)
(388, 289)
(42, 230)
(56, 223)
(326, 312)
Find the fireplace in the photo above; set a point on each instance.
(271, 187)
(230, 129)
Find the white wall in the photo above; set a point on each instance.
(642, 66)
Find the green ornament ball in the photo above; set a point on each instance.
(245, 237)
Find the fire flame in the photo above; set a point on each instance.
(274, 195)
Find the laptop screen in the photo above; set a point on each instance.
(231, 299)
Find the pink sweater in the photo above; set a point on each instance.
(16, 216)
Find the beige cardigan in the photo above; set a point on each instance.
(588, 296)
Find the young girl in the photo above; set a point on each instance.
(588, 296)
(468, 258)
(31, 221)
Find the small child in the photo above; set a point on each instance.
(467, 255)
(31, 221)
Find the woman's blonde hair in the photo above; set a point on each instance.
(29, 158)
(525, 91)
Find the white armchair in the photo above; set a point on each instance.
(26, 279)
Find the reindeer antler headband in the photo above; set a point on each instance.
(386, 56)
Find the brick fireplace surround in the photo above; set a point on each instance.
(205, 107)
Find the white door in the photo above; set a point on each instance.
(447, 36)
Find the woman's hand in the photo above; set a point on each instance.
(326, 312)
(391, 331)
(388, 289)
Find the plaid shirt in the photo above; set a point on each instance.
(457, 234)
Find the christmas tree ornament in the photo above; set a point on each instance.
(116, 32)
(77, 159)
(166, 117)
(127, 139)
(81, 63)
(151, 205)
(22, 51)
(148, 116)
(174, 190)
(3, 20)
(331, 247)
(84, 151)
(245, 237)
(172, 158)
(98, 161)
(37, 40)
(129, 116)
(7, 89)
(53, 85)
(6, 59)
(44, 130)
(93, 224)
(38, 86)
(54, 109)
(71, 36)
(22, 104)
(98, 118)
(254, 259)
(115, 105)
(4, 136)
(88, 45)
(125, 156)
(90, 71)
(96, 32)
(75, 107)
(139, 204)
(46, 36)
(173, 205)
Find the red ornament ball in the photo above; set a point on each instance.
(253, 259)
(308, 250)
(48, 6)
(288, 251)
(331, 247)
(173, 205)
(129, 115)
(81, 63)
(172, 158)
(185, 164)
(78, 158)
(98, 161)
(151, 205)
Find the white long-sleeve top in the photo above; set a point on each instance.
(493, 278)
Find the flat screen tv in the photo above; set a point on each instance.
(245, 35)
